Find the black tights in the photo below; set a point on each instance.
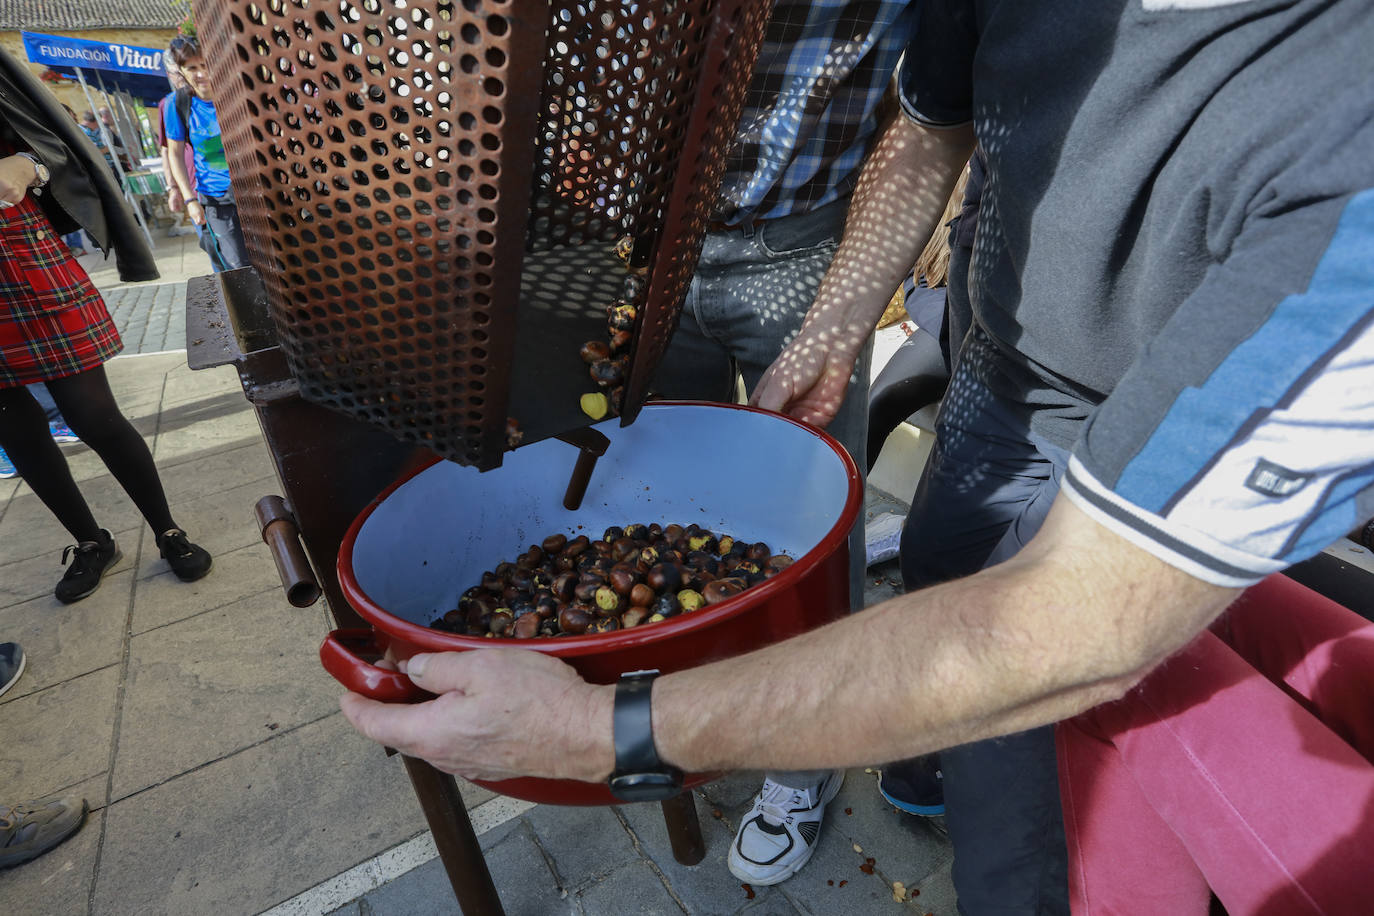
(88, 406)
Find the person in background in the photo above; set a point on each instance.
(813, 105)
(91, 128)
(126, 158)
(54, 328)
(191, 120)
(29, 829)
(176, 200)
(74, 240)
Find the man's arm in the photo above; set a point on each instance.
(176, 167)
(901, 194)
(1072, 621)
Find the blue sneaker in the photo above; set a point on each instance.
(6, 466)
(914, 786)
(62, 433)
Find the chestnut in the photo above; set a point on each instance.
(526, 627)
(563, 586)
(612, 533)
(594, 350)
(586, 586)
(531, 558)
(780, 561)
(664, 576)
(500, 622)
(725, 545)
(621, 316)
(633, 287)
(641, 595)
(609, 600)
(690, 600)
(637, 532)
(646, 558)
(655, 531)
(595, 405)
(554, 544)
(604, 625)
(607, 373)
(621, 341)
(574, 619)
(623, 578)
(721, 589)
(577, 545)
(622, 547)
(666, 605)
(759, 552)
(704, 541)
(545, 604)
(504, 569)
(634, 617)
(521, 580)
(491, 582)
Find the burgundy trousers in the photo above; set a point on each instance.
(1240, 767)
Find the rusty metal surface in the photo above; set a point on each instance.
(432, 192)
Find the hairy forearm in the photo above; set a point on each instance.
(901, 195)
(1033, 641)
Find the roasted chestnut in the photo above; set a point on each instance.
(641, 595)
(721, 589)
(594, 350)
(690, 600)
(526, 627)
(606, 624)
(634, 617)
(607, 373)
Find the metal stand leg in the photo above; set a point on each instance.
(457, 842)
(684, 829)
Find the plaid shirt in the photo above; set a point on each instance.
(812, 106)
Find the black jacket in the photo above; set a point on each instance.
(82, 191)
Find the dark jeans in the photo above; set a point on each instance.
(984, 494)
(223, 235)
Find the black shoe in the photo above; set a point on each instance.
(90, 561)
(189, 561)
(915, 786)
(11, 664)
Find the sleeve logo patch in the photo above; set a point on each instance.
(1275, 480)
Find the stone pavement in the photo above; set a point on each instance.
(196, 720)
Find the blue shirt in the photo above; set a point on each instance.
(212, 167)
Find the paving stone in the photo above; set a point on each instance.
(220, 522)
(185, 432)
(66, 732)
(246, 832)
(34, 577)
(774, 904)
(63, 641)
(30, 529)
(904, 846)
(707, 888)
(236, 575)
(59, 881)
(586, 843)
(190, 699)
(205, 475)
(632, 889)
(348, 909)
(518, 870)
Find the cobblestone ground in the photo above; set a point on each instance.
(151, 317)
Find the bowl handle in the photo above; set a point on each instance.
(339, 655)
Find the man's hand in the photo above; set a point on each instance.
(17, 174)
(499, 713)
(810, 377)
(175, 202)
(196, 211)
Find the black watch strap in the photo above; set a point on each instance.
(640, 775)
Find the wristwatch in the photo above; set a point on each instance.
(639, 773)
(40, 170)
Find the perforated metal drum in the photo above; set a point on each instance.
(434, 192)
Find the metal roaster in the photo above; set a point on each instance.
(440, 201)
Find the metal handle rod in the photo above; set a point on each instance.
(283, 539)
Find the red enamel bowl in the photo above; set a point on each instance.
(736, 470)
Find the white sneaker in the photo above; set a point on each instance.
(780, 832)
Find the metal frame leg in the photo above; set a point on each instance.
(456, 840)
(684, 829)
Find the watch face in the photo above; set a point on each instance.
(645, 786)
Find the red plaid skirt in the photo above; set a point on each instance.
(53, 322)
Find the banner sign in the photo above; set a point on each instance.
(61, 51)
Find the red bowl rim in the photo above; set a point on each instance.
(429, 639)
